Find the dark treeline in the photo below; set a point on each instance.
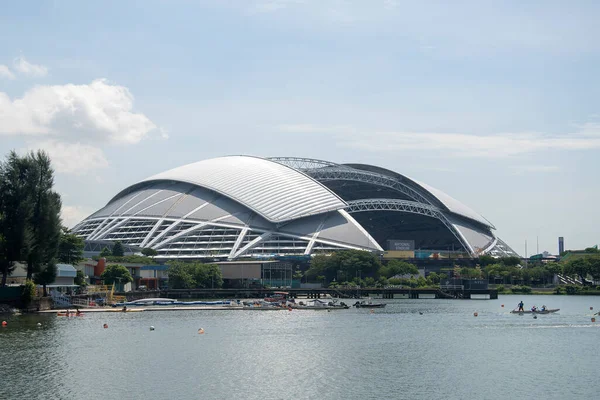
(30, 225)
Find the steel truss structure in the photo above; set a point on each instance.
(324, 171)
(181, 216)
(411, 207)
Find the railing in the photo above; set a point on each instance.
(60, 299)
(452, 287)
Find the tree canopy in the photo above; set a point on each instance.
(398, 267)
(344, 265)
(116, 273)
(194, 275)
(46, 276)
(70, 247)
(29, 213)
(149, 252)
(105, 252)
(117, 249)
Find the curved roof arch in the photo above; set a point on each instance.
(273, 190)
(446, 201)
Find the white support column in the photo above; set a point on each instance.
(311, 243)
(253, 243)
(237, 243)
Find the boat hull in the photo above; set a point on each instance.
(549, 311)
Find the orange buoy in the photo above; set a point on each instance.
(4, 323)
(502, 306)
(475, 314)
(105, 326)
(200, 331)
(372, 310)
(591, 308)
(593, 319)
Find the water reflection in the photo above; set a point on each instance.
(393, 352)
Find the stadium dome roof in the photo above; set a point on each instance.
(275, 191)
(239, 206)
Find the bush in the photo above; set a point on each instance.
(521, 289)
(500, 288)
(28, 293)
(571, 289)
(558, 290)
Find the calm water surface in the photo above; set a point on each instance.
(349, 354)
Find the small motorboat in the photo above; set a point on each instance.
(368, 304)
(546, 311)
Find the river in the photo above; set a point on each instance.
(390, 353)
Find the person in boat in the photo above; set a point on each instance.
(124, 309)
(77, 312)
(534, 309)
(521, 306)
(544, 308)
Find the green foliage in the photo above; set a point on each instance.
(149, 252)
(521, 289)
(398, 267)
(500, 288)
(558, 290)
(117, 250)
(571, 289)
(343, 265)
(486, 260)
(592, 250)
(70, 247)
(105, 252)
(116, 274)
(29, 209)
(28, 292)
(80, 278)
(192, 275)
(510, 261)
(46, 276)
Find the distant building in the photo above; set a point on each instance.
(561, 245)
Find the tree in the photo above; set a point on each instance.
(191, 275)
(117, 249)
(46, 276)
(116, 274)
(149, 252)
(398, 267)
(579, 267)
(343, 265)
(80, 278)
(70, 247)
(44, 220)
(105, 252)
(15, 209)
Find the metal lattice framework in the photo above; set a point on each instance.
(324, 171)
(411, 207)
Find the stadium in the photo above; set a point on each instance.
(241, 207)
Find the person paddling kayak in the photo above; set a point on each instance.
(521, 306)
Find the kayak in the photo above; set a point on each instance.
(547, 311)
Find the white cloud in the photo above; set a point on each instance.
(72, 158)
(24, 67)
(98, 111)
(72, 215)
(5, 72)
(456, 144)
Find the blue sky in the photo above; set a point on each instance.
(495, 103)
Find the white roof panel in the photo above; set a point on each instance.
(275, 191)
(454, 205)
